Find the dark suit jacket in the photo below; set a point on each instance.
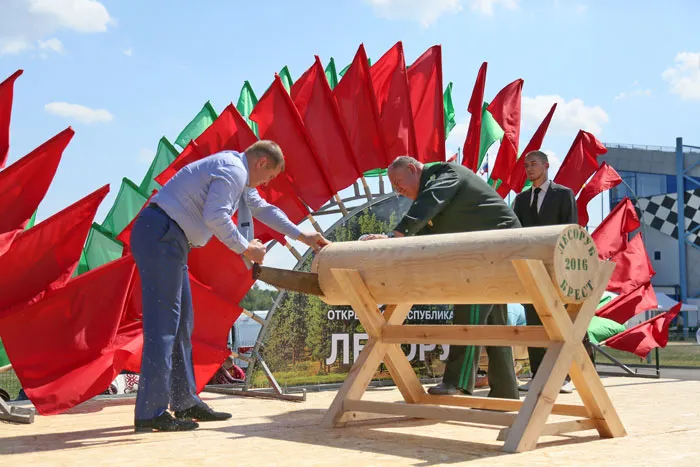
(451, 199)
(558, 207)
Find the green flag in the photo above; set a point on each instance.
(332, 74)
(128, 203)
(246, 102)
(165, 155)
(490, 133)
(4, 359)
(100, 248)
(32, 221)
(449, 110)
(374, 173)
(286, 78)
(196, 127)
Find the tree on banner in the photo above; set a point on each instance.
(24, 184)
(196, 127)
(644, 337)
(43, 258)
(6, 96)
(580, 162)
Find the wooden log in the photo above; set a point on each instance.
(462, 268)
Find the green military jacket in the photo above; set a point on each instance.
(451, 199)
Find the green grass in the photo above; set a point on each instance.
(675, 354)
(10, 383)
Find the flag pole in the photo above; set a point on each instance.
(293, 251)
(368, 192)
(342, 207)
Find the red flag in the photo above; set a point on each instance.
(24, 184)
(632, 267)
(357, 104)
(61, 347)
(279, 121)
(313, 99)
(425, 86)
(625, 306)
(580, 162)
(213, 318)
(505, 109)
(518, 177)
(644, 337)
(470, 152)
(6, 240)
(390, 83)
(219, 268)
(229, 132)
(605, 178)
(611, 235)
(6, 95)
(43, 258)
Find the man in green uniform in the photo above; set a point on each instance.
(449, 198)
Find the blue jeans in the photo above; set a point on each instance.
(160, 248)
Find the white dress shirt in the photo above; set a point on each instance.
(544, 187)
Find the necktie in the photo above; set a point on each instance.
(245, 218)
(533, 206)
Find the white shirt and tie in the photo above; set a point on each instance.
(540, 196)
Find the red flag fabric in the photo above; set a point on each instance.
(611, 235)
(644, 337)
(505, 109)
(580, 162)
(24, 184)
(425, 86)
(44, 257)
(606, 177)
(220, 269)
(61, 347)
(470, 151)
(228, 132)
(6, 240)
(633, 267)
(213, 318)
(7, 88)
(314, 100)
(625, 306)
(279, 121)
(518, 177)
(390, 83)
(357, 104)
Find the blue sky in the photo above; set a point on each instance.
(627, 71)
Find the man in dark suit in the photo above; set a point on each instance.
(546, 203)
(449, 198)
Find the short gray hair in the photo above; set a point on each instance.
(538, 154)
(268, 149)
(402, 162)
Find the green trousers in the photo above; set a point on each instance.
(463, 361)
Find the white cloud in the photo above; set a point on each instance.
(51, 44)
(486, 6)
(424, 11)
(569, 117)
(78, 112)
(457, 136)
(23, 23)
(684, 76)
(128, 52)
(145, 155)
(633, 93)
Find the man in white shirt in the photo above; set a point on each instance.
(546, 203)
(196, 204)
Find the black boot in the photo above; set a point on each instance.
(203, 413)
(164, 422)
(444, 389)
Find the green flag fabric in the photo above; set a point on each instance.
(4, 359)
(286, 77)
(165, 155)
(449, 110)
(490, 133)
(375, 173)
(246, 102)
(100, 248)
(128, 203)
(196, 127)
(331, 74)
(32, 221)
